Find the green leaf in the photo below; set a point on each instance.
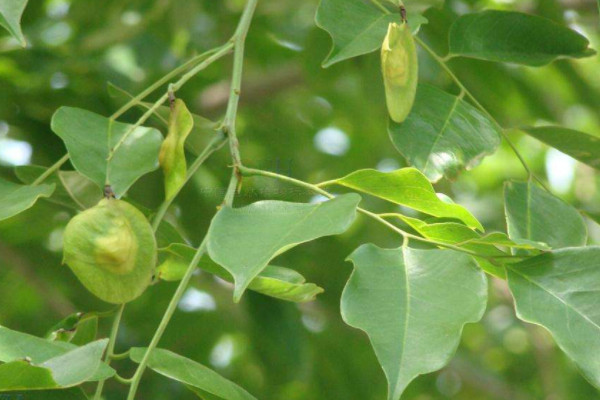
(11, 12)
(579, 145)
(560, 292)
(64, 394)
(66, 370)
(413, 305)
(357, 27)
(15, 346)
(496, 35)
(407, 187)
(89, 138)
(73, 190)
(534, 214)
(444, 134)
(244, 240)
(191, 373)
(278, 282)
(21, 375)
(462, 236)
(172, 153)
(15, 198)
(78, 328)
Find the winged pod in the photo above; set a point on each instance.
(112, 250)
(400, 70)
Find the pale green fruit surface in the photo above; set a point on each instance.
(112, 250)
(400, 68)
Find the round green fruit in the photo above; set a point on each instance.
(112, 250)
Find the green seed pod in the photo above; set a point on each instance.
(400, 69)
(112, 250)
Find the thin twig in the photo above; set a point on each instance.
(111, 347)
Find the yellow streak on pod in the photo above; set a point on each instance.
(400, 70)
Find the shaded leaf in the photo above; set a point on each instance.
(444, 134)
(73, 190)
(496, 35)
(78, 328)
(89, 138)
(413, 305)
(172, 153)
(279, 282)
(407, 187)
(534, 214)
(11, 12)
(15, 198)
(579, 145)
(191, 373)
(244, 240)
(560, 292)
(66, 370)
(357, 27)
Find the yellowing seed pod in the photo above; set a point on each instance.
(400, 70)
(112, 250)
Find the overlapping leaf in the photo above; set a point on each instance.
(514, 37)
(15, 346)
(534, 214)
(10, 18)
(279, 282)
(66, 370)
(444, 134)
(413, 305)
(407, 187)
(357, 27)
(244, 240)
(486, 245)
(89, 137)
(560, 291)
(73, 190)
(579, 145)
(15, 198)
(196, 376)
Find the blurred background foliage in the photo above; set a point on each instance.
(299, 119)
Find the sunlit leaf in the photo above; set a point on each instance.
(413, 305)
(486, 245)
(579, 145)
(496, 35)
(407, 187)
(244, 240)
(534, 214)
(15, 198)
(89, 138)
(191, 373)
(279, 282)
(444, 134)
(560, 292)
(357, 27)
(10, 18)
